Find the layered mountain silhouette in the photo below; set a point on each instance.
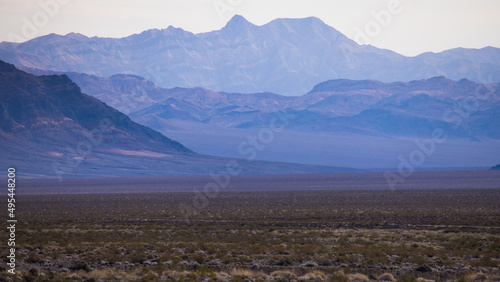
(49, 128)
(285, 56)
(357, 123)
(463, 108)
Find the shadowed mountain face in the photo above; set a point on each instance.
(286, 56)
(49, 128)
(52, 109)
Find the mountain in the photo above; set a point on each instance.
(126, 93)
(357, 123)
(497, 167)
(49, 128)
(286, 56)
(371, 107)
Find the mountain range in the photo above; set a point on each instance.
(49, 128)
(292, 90)
(363, 123)
(285, 56)
(398, 109)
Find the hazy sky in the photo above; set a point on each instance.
(409, 27)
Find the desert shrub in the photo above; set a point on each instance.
(227, 259)
(137, 257)
(221, 276)
(246, 273)
(407, 278)
(284, 275)
(357, 277)
(80, 265)
(199, 257)
(309, 264)
(386, 277)
(475, 277)
(463, 243)
(338, 276)
(26, 277)
(177, 276)
(420, 279)
(419, 260)
(286, 261)
(423, 268)
(34, 272)
(485, 261)
(315, 275)
(100, 274)
(245, 259)
(33, 258)
(151, 276)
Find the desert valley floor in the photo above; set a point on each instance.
(346, 227)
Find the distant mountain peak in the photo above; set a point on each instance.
(238, 19)
(308, 20)
(439, 78)
(310, 28)
(176, 31)
(76, 35)
(238, 22)
(160, 33)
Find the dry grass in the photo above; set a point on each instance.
(315, 275)
(307, 236)
(246, 273)
(357, 277)
(100, 274)
(387, 277)
(285, 275)
(476, 277)
(420, 279)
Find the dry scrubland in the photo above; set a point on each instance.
(406, 235)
